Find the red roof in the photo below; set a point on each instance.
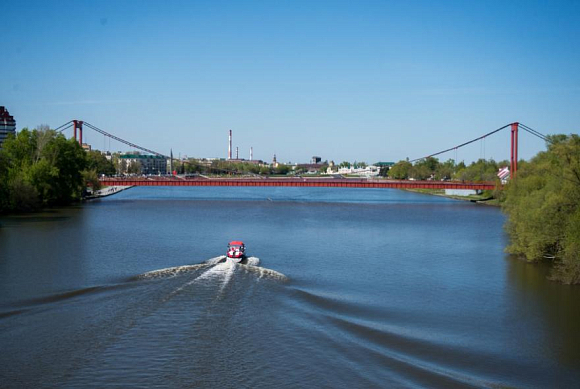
(236, 243)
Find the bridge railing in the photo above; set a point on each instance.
(297, 182)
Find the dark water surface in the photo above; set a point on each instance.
(345, 288)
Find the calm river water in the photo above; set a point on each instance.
(344, 288)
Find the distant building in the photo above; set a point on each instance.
(148, 164)
(332, 168)
(315, 160)
(369, 171)
(384, 167)
(309, 168)
(384, 164)
(7, 124)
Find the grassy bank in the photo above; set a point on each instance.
(483, 198)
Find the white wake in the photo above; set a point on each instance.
(218, 268)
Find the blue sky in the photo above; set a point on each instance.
(364, 80)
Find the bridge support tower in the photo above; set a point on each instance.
(78, 125)
(514, 151)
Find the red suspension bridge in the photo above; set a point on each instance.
(78, 126)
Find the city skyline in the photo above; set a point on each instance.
(373, 81)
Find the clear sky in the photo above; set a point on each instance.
(354, 80)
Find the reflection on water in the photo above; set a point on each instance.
(342, 288)
(555, 307)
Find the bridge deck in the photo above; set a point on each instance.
(299, 182)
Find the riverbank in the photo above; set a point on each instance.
(107, 191)
(479, 199)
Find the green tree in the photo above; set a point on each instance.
(401, 170)
(135, 167)
(4, 190)
(543, 208)
(480, 170)
(91, 179)
(40, 168)
(282, 169)
(192, 166)
(445, 170)
(98, 162)
(384, 171)
(265, 170)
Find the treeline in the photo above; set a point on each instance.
(228, 167)
(41, 168)
(543, 208)
(431, 168)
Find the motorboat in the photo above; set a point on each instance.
(236, 250)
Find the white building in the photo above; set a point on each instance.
(369, 171)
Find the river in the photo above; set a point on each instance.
(344, 288)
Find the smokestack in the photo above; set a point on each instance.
(237, 155)
(230, 146)
(251, 153)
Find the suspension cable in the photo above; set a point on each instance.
(123, 140)
(64, 129)
(58, 129)
(463, 144)
(111, 136)
(536, 133)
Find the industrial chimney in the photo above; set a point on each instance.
(251, 153)
(230, 146)
(237, 155)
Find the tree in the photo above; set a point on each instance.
(543, 208)
(192, 166)
(4, 190)
(282, 169)
(134, 167)
(98, 162)
(384, 171)
(425, 168)
(445, 170)
(91, 179)
(40, 168)
(481, 170)
(401, 170)
(265, 170)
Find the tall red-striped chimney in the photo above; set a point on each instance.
(230, 146)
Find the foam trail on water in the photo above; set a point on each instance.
(217, 268)
(223, 270)
(177, 270)
(253, 261)
(262, 272)
(215, 260)
(170, 271)
(231, 268)
(210, 273)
